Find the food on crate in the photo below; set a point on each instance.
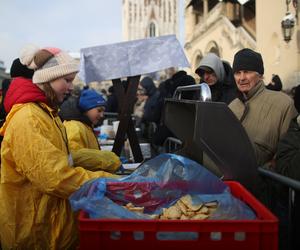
(187, 201)
(172, 212)
(183, 209)
(154, 216)
(132, 208)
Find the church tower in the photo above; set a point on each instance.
(149, 18)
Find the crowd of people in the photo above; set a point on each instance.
(268, 115)
(49, 148)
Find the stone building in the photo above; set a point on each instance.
(224, 27)
(148, 18)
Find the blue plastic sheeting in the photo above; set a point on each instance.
(157, 184)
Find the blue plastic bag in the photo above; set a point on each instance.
(156, 184)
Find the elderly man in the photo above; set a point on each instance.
(265, 114)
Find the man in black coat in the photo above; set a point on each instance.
(151, 111)
(167, 89)
(287, 163)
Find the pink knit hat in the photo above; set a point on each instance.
(50, 64)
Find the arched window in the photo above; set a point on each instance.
(197, 58)
(215, 50)
(152, 29)
(213, 47)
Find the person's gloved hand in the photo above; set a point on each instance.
(122, 170)
(123, 159)
(103, 136)
(89, 193)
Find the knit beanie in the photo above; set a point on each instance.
(89, 99)
(49, 64)
(17, 69)
(247, 59)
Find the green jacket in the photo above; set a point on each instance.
(266, 116)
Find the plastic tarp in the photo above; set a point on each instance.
(131, 58)
(158, 184)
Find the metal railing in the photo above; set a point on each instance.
(289, 182)
(171, 145)
(293, 187)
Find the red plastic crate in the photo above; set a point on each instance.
(261, 233)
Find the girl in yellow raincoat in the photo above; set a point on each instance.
(37, 174)
(80, 115)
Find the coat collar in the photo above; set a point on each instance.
(260, 86)
(21, 91)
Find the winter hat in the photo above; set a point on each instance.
(89, 99)
(277, 86)
(17, 69)
(27, 54)
(247, 59)
(180, 78)
(276, 79)
(49, 64)
(148, 84)
(211, 62)
(178, 75)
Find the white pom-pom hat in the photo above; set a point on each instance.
(51, 64)
(27, 54)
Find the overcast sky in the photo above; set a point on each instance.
(66, 24)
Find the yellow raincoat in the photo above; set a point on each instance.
(36, 181)
(85, 148)
(80, 135)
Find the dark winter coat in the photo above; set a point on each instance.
(69, 111)
(226, 90)
(112, 101)
(151, 111)
(112, 104)
(288, 152)
(5, 85)
(287, 163)
(167, 90)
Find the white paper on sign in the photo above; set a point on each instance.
(131, 58)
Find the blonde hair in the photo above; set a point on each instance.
(51, 96)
